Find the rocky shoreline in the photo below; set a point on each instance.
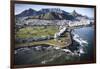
(47, 54)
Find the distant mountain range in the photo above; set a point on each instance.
(49, 13)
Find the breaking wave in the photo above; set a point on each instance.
(82, 43)
(46, 54)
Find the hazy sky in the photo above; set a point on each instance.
(84, 11)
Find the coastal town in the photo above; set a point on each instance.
(48, 35)
(49, 39)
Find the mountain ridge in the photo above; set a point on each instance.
(49, 13)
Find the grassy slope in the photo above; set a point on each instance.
(36, 31)
(39, 31)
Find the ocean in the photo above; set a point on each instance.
(46, 54)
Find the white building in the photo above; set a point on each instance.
(79, 23)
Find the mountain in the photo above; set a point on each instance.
(56, 10)
(50, 13)
(52, 16)
(75, 14)
(29, 12)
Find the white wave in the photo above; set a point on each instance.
(76, 53)
(38, 47)
(81, 51)
(66, 50)
(79, 40)
(57, 48)
(84, 41)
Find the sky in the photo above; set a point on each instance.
(84, 11)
